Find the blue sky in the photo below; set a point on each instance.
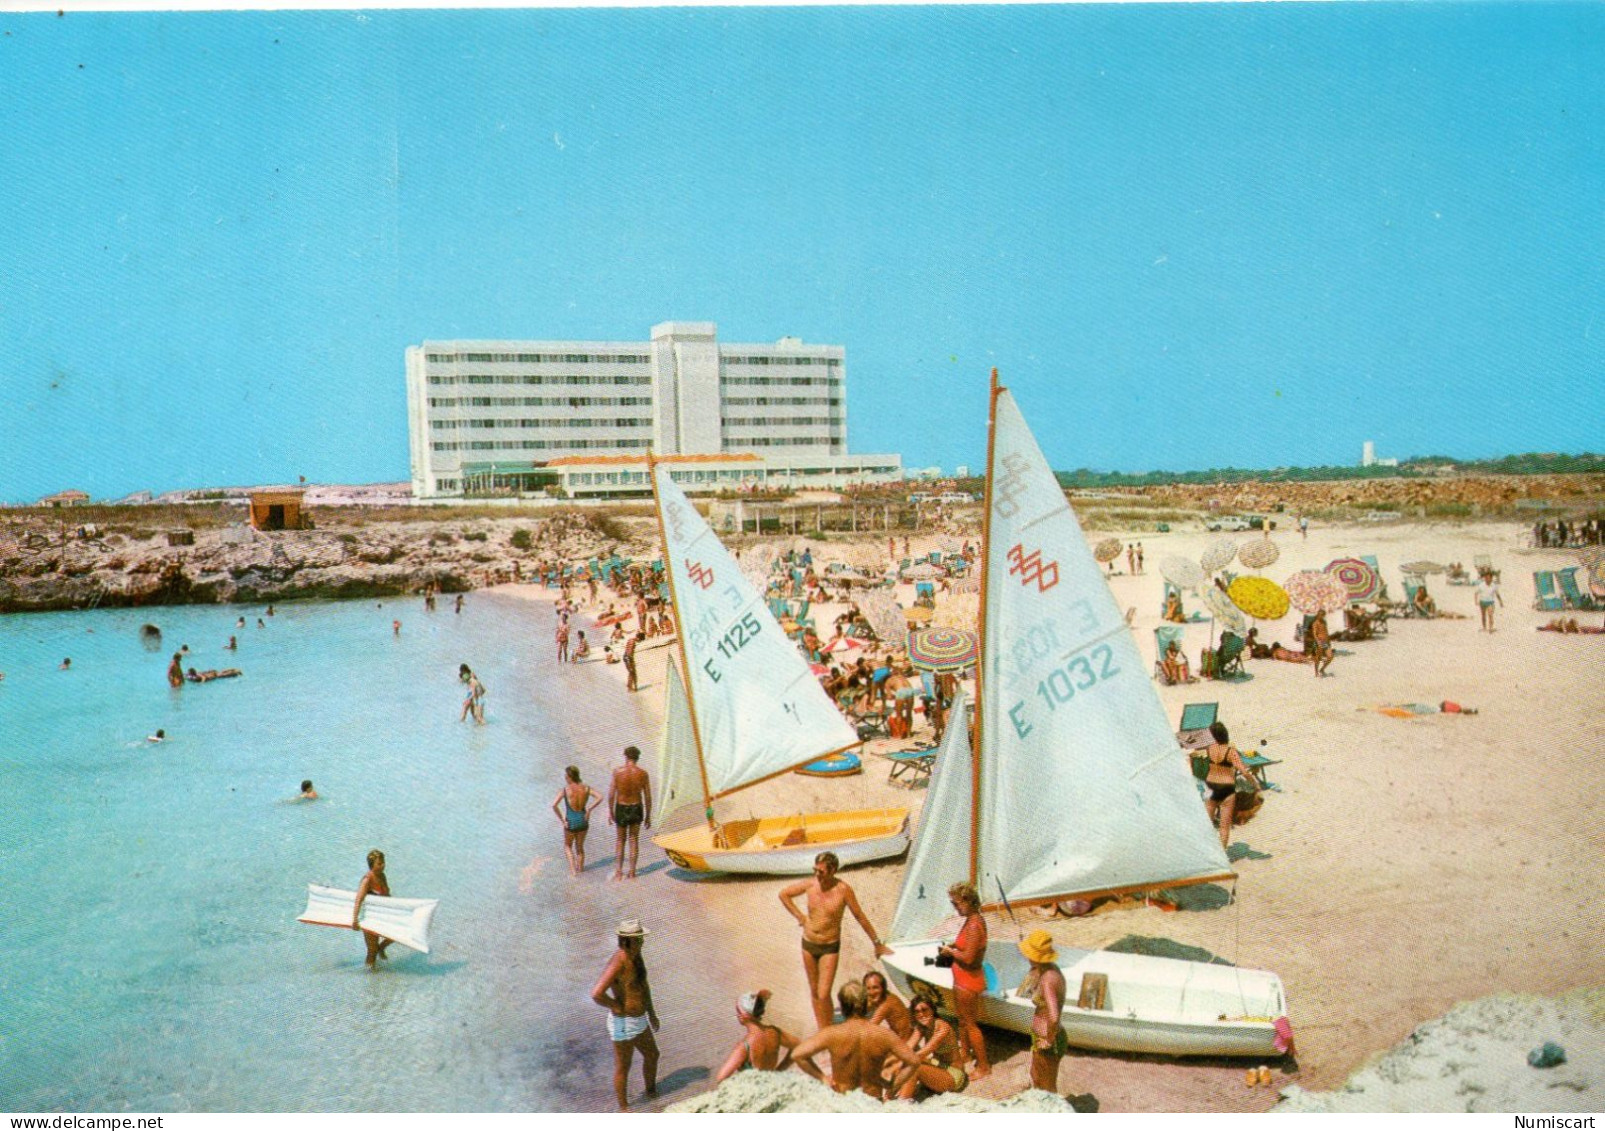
(1188, 236)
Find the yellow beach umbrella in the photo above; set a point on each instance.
(1259, 597)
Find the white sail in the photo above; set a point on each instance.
(1083, 789)
(758, 707)
(679, 782)
(941, 853)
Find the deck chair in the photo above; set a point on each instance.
(1574, 596)
(1412, 586)
(911, 767)
(1164, 635)
(1193, 730)
(1229, 657)
(1548, 597)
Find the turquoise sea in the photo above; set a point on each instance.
(152, 961)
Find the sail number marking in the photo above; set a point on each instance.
(742, 633)
(1081, 673)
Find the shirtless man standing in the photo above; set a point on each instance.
(623, 991)
(858, 1049)
(629, 806)
(828, 900)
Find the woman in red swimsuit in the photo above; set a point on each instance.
(968, 953)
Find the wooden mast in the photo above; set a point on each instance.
(685, 679)
(980, 655)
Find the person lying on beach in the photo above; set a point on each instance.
(764, 1047)
(858, 1048)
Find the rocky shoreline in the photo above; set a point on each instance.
(48, 566)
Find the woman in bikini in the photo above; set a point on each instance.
(374, 883)
(763, 1046)
(934, 1042)
(968, 955)
(1044, 985)
(1225, 763)
(573, 806)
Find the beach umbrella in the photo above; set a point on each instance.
(961, 610)
(921, 571)
(1422, 568)
(613, 619)
(1218, 556)
(819, 669)
(1315, 591)
(919, 614)
(1259, 553)
(1357, 577)
(942, 649)
(1259, 597)
(1221, 609)
(1107, 550)
(965, 585)
(1181, 572)
(842, 644)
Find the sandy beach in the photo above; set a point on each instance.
(1403, 864)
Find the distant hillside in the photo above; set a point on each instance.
(1416, 467)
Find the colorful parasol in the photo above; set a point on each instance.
(919, 614)
(1422, 568)
(1259, 553)
(942, 649)
(1221, 608)
(1181, 572)
(1357, 577)
(1218, 556)
(1315, 591)
(1107, 550)
(842, 644)
(819, 669)
(1259, 597)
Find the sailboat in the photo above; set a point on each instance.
(743, 707)
(1076, 787)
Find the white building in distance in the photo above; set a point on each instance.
(525, 418)
(1368, 456)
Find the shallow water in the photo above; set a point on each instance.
(153, 961)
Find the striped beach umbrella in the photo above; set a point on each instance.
(939, 649)
(1422, 568)
(1315, 591)
(1357, 577)
(1259, 597)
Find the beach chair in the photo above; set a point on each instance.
(1573, 595)
(1412, 586)
(1548, 597)
(1163, 636)
(1193, 730)
(911, 767)
(1229, 657)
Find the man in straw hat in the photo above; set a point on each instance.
(1044, 985)
(624, 992)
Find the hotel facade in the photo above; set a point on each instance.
(522, 419)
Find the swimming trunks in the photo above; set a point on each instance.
(626, 815)
(625, 1028)
(1221, 792)
(820, 949)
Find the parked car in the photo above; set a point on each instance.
(1229, 522)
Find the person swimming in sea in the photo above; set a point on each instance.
(307, 792)
(159, 736)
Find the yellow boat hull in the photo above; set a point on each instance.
(786, 846)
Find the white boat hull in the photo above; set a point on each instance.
(1163, 1006)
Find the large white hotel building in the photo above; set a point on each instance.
(498, 418)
